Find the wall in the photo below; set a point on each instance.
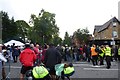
(107, 33)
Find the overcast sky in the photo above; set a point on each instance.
(70, 14)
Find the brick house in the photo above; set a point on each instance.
(109, 31)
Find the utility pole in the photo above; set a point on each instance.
(0, 28)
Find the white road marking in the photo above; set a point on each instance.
(100, 69)
(98, 66)
(89, 65)
(13, 67)
(79, 62)
(82, 65)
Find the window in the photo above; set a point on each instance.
(114, 24)
(115, 34)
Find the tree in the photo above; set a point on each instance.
(9, 28)
(22, 29)
(44, 27)
(67, 39)
(81, 35)
(57, 40)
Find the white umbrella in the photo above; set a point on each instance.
(17, 43)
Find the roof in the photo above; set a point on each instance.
(97, 27)
(106, 25)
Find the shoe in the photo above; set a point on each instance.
(101, 64)
(108, 67)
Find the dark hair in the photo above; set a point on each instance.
(45, 46)
(27, 45)
(13, 44)
(70, 64)
(51, 44)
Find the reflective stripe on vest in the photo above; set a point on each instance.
(108, 51)
(68, 70)
(39, 72)
(119, 51)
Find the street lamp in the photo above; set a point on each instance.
(1, 15)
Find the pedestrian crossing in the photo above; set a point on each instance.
(89, 67)
(82, 70)
(83, 65)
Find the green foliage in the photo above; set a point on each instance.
(67, 39)
(57, 40)
(43, 27)
(22, 29)
(9, 28)
(82, 35)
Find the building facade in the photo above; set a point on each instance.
(108, 33)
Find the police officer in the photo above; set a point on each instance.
(119, 53)
(108, 56)
(40, 72)
(67, 71)
(101, 55)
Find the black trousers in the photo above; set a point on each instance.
(15, 58)
(108, 61)
(95, 60)
(119, 57)
(101, 60)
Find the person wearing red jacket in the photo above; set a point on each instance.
(44, 52)
(27, 59)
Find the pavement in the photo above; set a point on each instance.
(87, 70)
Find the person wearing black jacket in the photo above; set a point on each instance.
(52, 57)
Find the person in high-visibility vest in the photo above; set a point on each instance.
(119, 53)
(94, 55)
(67, 71)
(40, 72)
(108, 56)
(101, 55)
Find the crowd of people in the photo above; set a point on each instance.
(95, 54)
(32, 56)
(50, 55)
